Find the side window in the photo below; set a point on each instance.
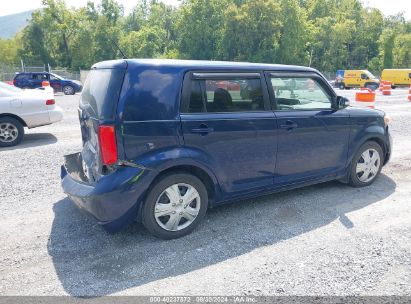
(364, 76)
(45, 77)
(21, 77)
(297, 93)
(226, 95)
(409, 75)
(52, 77)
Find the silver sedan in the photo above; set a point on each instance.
(24, 108)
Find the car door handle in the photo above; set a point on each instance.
(203, 129)
(289, 124)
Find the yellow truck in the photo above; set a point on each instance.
(398, 77)
(359, 79)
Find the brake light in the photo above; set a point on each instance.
(108, 145)
(50, 102)
(14, 82)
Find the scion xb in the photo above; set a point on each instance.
(164, 140)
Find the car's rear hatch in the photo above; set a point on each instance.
(98, 104)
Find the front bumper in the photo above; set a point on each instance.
(114, 200)
(388, 151)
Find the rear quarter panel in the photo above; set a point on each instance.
(148, 111)
(32, 110)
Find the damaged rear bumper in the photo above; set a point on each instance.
(114, 200)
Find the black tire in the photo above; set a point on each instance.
(68, 90)
(17, 126)
(372, 86)
(354, 178)
(341, 86)
(148, 218)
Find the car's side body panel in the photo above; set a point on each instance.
(398, 77)
(31, 108)
(243, 154)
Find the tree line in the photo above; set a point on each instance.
(325, 34)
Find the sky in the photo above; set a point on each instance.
(16, 6)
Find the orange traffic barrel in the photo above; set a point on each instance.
(381, 85)
(365, 97)
(386, 89)
(45, 83)
(409, 93)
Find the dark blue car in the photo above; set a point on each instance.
(164, 140)
(33, 80)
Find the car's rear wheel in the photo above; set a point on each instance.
(68, 90)
(366, 164)
(11, 132)
(342, 86)
(175, 206)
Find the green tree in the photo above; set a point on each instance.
(148, 42)
(252, 32)
(200, 26)
(402, 51)
(8, 50)
(294, 38)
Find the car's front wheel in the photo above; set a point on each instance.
(175, 206)
(366, 164)
(372, 86)
(68, 90)
(11, 132)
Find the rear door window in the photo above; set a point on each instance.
(101, 92)
(228, 94)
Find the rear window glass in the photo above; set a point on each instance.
(21, 76)
(226, 95)
(101, 92)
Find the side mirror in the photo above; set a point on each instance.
(341, 103)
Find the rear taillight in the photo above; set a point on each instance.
(14, 82)
(50, 102)
(108, 145)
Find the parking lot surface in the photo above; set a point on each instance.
(328, 239)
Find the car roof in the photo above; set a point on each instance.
(199, 64)
(23, 73)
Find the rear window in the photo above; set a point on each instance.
(21, 76)
(101, 92)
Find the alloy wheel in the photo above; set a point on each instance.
(68, 90)
(8, 132)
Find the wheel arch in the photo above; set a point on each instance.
(378, 138)
(194, 170)
(18, 118)
(206, 177)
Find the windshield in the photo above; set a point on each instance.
(56, 76)
(10, 88)
(370, 75)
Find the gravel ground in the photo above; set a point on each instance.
(328, 239)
